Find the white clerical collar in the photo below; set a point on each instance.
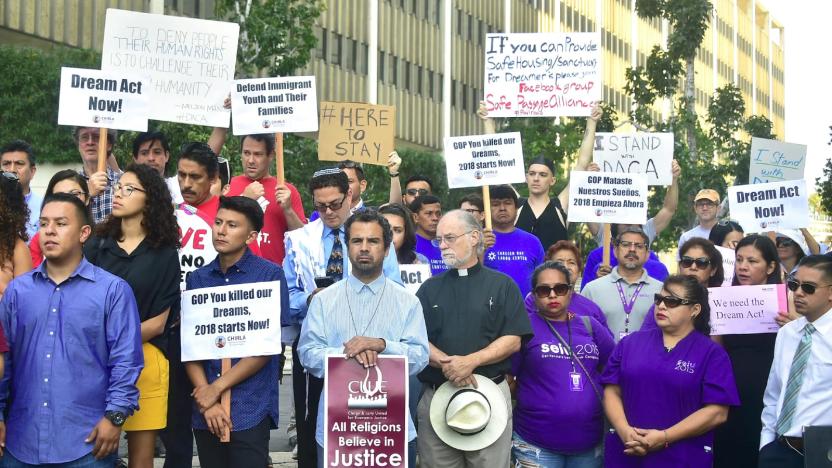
(462, 271)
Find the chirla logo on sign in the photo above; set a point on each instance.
(367, 393)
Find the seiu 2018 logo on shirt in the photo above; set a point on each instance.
(685, 366)
(583, 351)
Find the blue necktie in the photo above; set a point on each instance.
(335, 264)
(801, 357)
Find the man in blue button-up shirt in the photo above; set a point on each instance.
(75, 351)
(252, 380)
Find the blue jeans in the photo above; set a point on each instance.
(528, 455)
(88, 461)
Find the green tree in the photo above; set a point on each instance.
(824, 183)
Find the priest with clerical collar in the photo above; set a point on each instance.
(475, 321)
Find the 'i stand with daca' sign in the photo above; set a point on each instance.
(642, 153)
(605, 197)
(775, 161)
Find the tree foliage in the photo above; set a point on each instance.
(824, 183)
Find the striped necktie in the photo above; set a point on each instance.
(801, 357)
(335, 264)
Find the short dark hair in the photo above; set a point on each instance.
(419, 178)
(369, 216)
(80, 209)
(245, 206)
(331, 177)
(473, 199)
(551, 265)
(201, 154)
(713, 254)
(420, 202)
(769, 252)
(722, 229)
(359, 171)
(267, 138)
(70, 174)
(544, 162)
(503, 192)
(144, 137)
(822, 263)
(696, 293)
(22, 146)
(632, 230)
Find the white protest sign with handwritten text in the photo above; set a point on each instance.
(771, 206)
(643, 153)
(775, 161)
(235, 321)
(478, 160)
(729, 257)
(274, 105)
(599, 197)
(542, 74)
(414, 275)
(93, 98)
(742, 310)
(190, 62)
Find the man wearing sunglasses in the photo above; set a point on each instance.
(800, 381)
(415, 187)
(18, 157)
(626, 293)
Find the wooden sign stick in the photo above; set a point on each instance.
(486, 204)
(278, 147)
(605, 260)
(225, 401)
(102, 149)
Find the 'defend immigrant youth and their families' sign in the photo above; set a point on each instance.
(542, 74)
(234, 321)
(365, 413)
(643, 153)
(274, 105)
(607, 197)
(775, 161)
(742, 310)
(93, 98)
(771, 206)
(190, 62)
(479, 160)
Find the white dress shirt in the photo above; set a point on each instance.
(814, 403)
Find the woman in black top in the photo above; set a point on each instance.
(139, 243)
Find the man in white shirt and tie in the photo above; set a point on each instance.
(800, 382)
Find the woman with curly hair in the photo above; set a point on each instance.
(138, 242)
(14, 256)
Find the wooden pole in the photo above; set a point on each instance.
(486, 204)
(278, 147)
(607, 235)
(225, 401)
(102, 149)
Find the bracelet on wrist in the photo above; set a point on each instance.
(394, 175)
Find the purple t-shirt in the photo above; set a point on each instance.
(433, 254)
(579, 305)
(516, 254)
(661, 388)
(548, 413)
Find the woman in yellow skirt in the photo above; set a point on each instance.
(138, 243)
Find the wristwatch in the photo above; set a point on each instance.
(115, 417)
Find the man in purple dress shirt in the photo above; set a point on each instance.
(75, 352)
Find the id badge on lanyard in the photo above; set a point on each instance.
(628, 306)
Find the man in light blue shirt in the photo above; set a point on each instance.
(315, 257)
(19, 158)
(381, 317)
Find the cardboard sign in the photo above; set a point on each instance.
(478, 160)
(742, 310)
(190, 62)
(93, 98)
(235, 321)
(600, 197)
(197, 248)
(775, 161)
(729, 258)
(359, 132)
(771, 206)
(414, 275)
(542, 74)
(640, 153)
(365, 412)
(274, 105)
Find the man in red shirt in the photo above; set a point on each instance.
(281, 203)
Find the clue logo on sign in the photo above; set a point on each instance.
(266, 124)
(219, 342)
(367, 393)
(685, 366)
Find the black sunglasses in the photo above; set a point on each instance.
(700, 262)
(670, 301)
(413, 192)
(807, 288)
(785, 242)
(560, 289)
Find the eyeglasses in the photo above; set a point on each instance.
(77, 193)
(632, 245)
(448, 238)
(807, 288)
(334, 206)
(705, 204)
(416, 191)
(127, 190)
(701, 262)
(785, 242)
(84, 137)
(670, 301)
(11, 176)
(472, 210)
(560, 289)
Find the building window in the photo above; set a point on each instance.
(337, 46)
(381, 70)
(419, 80)
(459, 22)
(437, 12)
(464, 97)
(351, 62)
(394, 70)
(440, 86)
(453, 93)
(431, 84)
(322, 36)
(470, 27)
(406, 73)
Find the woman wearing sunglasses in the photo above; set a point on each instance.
(558, 420)
(14, 256)
(138, 242)
(65, 181)
(666, 389)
